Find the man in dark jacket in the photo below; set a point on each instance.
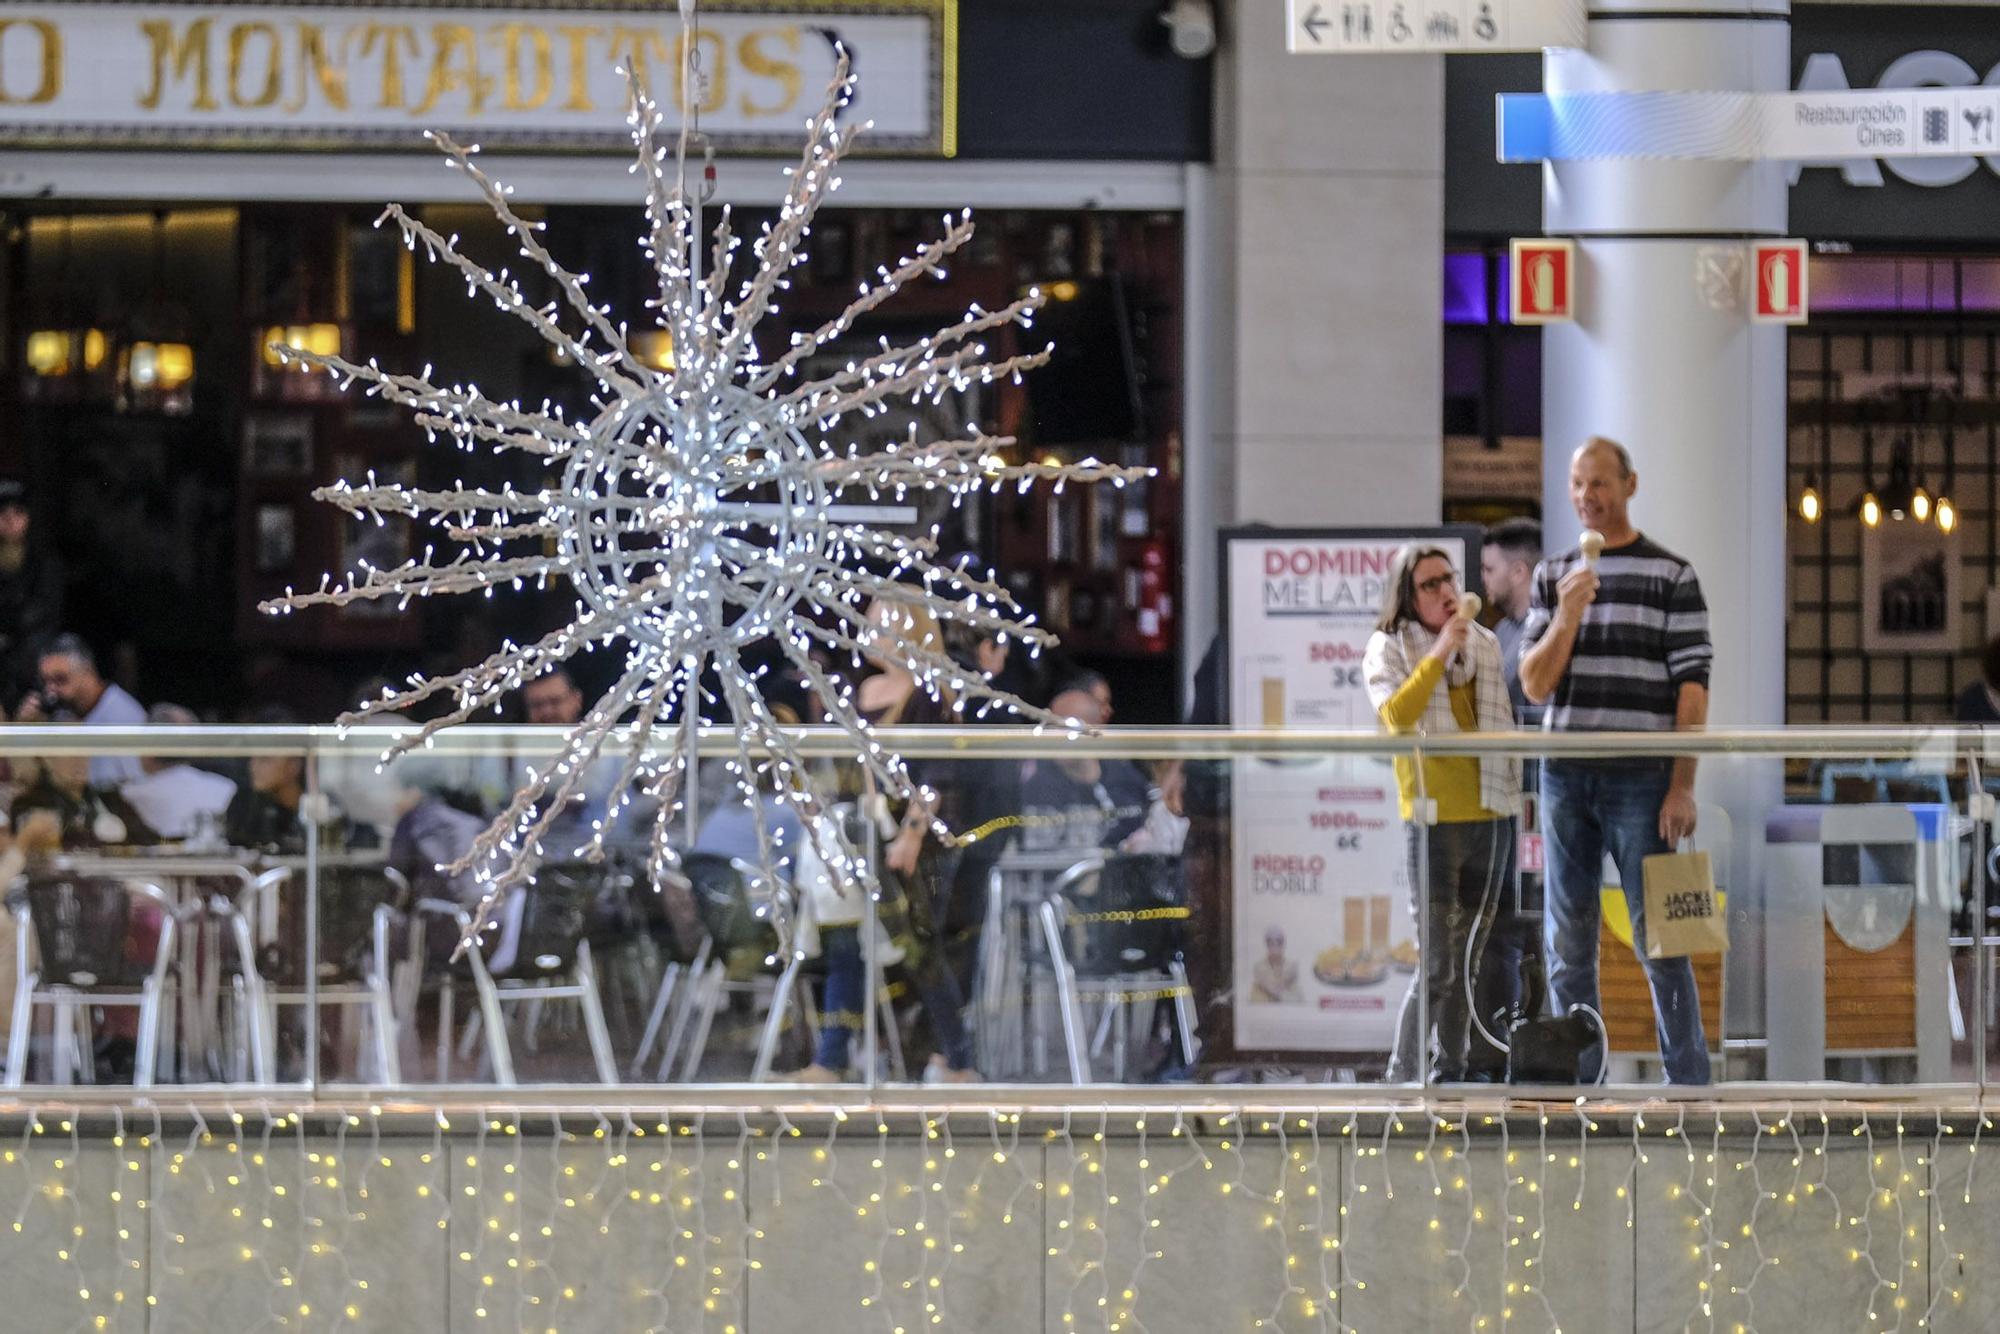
(31, 592)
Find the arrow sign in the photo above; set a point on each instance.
(1431, 27)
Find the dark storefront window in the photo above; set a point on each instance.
(177, 506)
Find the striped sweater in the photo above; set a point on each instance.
(1644, 637)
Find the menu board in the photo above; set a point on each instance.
(1324, 942)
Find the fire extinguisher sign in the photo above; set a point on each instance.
(1541, 280)
(1778, 278)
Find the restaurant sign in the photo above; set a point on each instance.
(334, 76)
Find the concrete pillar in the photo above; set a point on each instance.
(1318, 274)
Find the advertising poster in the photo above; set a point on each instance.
(1324, 944)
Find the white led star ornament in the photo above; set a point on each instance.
(698, 512)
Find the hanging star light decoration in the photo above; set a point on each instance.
(697, 512)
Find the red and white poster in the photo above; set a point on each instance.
(1324, 941)
(1541, 286)
(1778, 277)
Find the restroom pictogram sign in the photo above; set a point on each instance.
(1541, 280)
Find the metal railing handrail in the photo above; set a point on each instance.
(1940, 744)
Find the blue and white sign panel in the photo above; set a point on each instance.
(1346, 27)
(1749, 127)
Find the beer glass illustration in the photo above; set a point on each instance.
(1378, 925)
(1354, 923)
(1274, 701)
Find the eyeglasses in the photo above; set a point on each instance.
(1443, 581)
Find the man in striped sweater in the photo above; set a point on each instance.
(1621, 647)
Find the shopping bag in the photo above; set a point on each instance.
(1683, 913)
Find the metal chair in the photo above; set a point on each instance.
(73, 934)
(1114, 924)
(541, 954)
(671, 945)
(357, 915)
(741, 911)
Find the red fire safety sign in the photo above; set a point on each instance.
(1778, 282)
(1541, 280)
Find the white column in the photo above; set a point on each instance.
(1696, 392)
(1323, 270)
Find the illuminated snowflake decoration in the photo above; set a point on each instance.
(699, 511)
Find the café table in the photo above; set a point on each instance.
(187, 875)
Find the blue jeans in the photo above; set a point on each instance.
(1590, 808)
(841, 1012)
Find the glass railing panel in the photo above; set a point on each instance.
(1136, 908)
(1841, 870)
(158, 895)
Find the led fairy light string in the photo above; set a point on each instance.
(941, 1241)
(663, 1167)
(1096, 1163)
(1278, 1222)
(337, 1184)
(1329, 1308)
(1433, 1155)
(1066, 1225)
(1510, 1222)
(1128, 1312)
(882, 1204)
(1941, 1289)
(1906, 1232)
(1864, 1218)
(472, 1191)
(1629, 1192)
(1584, 1127)
(1712, 1238)
(658, 521)
(1747, 1290)
(525, 1279)
(121, 1235)
(1008, 1154)
(68, 1189)
(1535, 1283)
(737, 1195)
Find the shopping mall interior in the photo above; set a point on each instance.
(998, 665)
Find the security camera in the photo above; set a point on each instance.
(1190, 28)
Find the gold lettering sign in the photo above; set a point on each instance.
(243, 59)
(244, 74)
(173, 56)
(511, 37)
(50, 62)
(753, 55)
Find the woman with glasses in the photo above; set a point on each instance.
(1433, 671)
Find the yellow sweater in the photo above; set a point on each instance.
(1450, 781)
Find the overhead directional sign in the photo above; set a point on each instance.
(1748, 127)
(1344, 27)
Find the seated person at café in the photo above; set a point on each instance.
(1086, 802)
(555, 700)
(178, 800)
(83, 816)
(430, 835)
(73, 690)
(275, 811)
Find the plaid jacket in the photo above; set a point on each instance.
(1393, 656)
